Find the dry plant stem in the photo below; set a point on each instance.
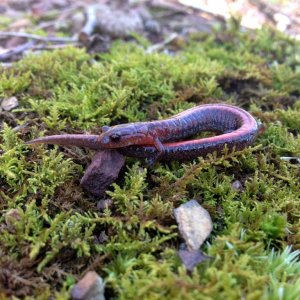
(160, 46)
(5, 65)
(17, 50)
(52, 47)
(37, 37)
(183, 8)
(91, 21)
(178, 8)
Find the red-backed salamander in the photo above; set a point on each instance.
(162, 140)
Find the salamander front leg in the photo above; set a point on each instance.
(159, 147)
(160, 151)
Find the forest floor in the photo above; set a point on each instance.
(72, 67)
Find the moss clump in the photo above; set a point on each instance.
(51, 231)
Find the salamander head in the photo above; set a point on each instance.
(124, 135)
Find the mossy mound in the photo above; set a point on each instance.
(50, 228)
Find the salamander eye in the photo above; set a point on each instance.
(115, 137)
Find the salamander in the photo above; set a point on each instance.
(164, 139)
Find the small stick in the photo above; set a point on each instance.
(90, 24)
(52, 47)
(37, 37)
(161, 45)
(17, 50)
(5, 65)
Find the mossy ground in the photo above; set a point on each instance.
(53, 239)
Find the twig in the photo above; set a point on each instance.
(24, 281)
(17, 50)
(51, 47)
(5, 65)
(169, 5)
(91, 23)
(38, 37)
(161, 45)
(292, 160)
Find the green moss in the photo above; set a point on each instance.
(50, 228)
(4, 22)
